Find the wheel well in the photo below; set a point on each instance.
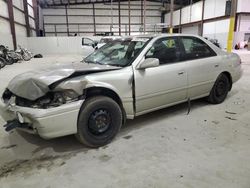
(97, 91)
(229, 78)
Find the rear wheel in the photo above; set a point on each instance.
(220, 90)
(99, 121)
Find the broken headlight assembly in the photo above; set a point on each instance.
(51, 99)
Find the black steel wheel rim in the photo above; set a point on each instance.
(221, 88)
(99, 122)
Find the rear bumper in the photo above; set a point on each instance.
(237, 74)
(48, 123)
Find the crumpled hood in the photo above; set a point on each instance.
(35, 84)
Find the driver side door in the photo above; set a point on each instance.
(165, 85)
(88, 46)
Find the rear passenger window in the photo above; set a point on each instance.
(166, 50)
(196, 48)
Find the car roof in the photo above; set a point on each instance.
(162, 35)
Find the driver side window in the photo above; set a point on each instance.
(87, 42)
(166, 50)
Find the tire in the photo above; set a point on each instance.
(10, 61)
(220, 90)
(26, 56)
(99, 120)
(2, 62)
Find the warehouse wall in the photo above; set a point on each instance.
(5, 33)
(19, 23)
(83, 18)
(243, 21)
(243, 6)
(217, 30)
(191, 17)
(192, 13)
(59, 45)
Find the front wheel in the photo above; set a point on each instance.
(220, 90)
(100, 119)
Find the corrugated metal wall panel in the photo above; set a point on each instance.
(80, 17)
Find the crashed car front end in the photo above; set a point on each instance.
(46, 102)
(50, 116)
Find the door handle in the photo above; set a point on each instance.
(216, 65)
(181, 72)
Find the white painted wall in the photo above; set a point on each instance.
(21, 34)
(214, 8)
(5, 34)
(217, 30)
(189, 14)
(243, 28)
(243, 6)
(244, 23)
(191, 30)
(57, 45)
(103, 19)
(176, 17)
(4, 9)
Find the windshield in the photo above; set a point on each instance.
(117, 53)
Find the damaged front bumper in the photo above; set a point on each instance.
(48, 123)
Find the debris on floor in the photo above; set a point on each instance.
(230, 112)
(230, 118)
(9, 146)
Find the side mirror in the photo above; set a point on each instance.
(149, 63)
(94, 44)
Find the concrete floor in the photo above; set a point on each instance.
(207, 148)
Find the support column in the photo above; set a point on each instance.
(171, 16)
(202, 17)
(36, 16)
(12, 23)
(129, 17)
(93, 6)
(144, 16)
(231, 26)
(67, 19)
(180, 28)
(119, 16)
(26, 15)
(141, 12)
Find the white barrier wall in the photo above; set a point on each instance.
(58, 45)
(217, 30)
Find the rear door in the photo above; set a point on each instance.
(161, 86)
(203, 66)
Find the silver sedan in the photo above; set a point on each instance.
(123, 79)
